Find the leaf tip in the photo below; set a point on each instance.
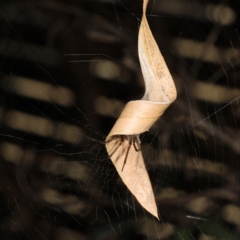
(156, 215)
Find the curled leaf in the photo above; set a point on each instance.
(122, 143)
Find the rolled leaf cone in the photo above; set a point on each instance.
(138, 117)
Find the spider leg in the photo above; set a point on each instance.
(113, 138)
(135, 142)
(128, 149)
(118, 145)
(115, 149)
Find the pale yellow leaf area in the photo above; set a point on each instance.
(122, 143)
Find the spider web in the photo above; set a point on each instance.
(67, 70)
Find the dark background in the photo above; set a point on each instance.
(67, 68)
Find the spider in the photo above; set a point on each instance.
(132, 139)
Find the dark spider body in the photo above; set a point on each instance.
(133, 141)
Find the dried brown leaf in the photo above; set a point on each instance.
(138, 116)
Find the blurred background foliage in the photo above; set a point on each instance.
(67, 68)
